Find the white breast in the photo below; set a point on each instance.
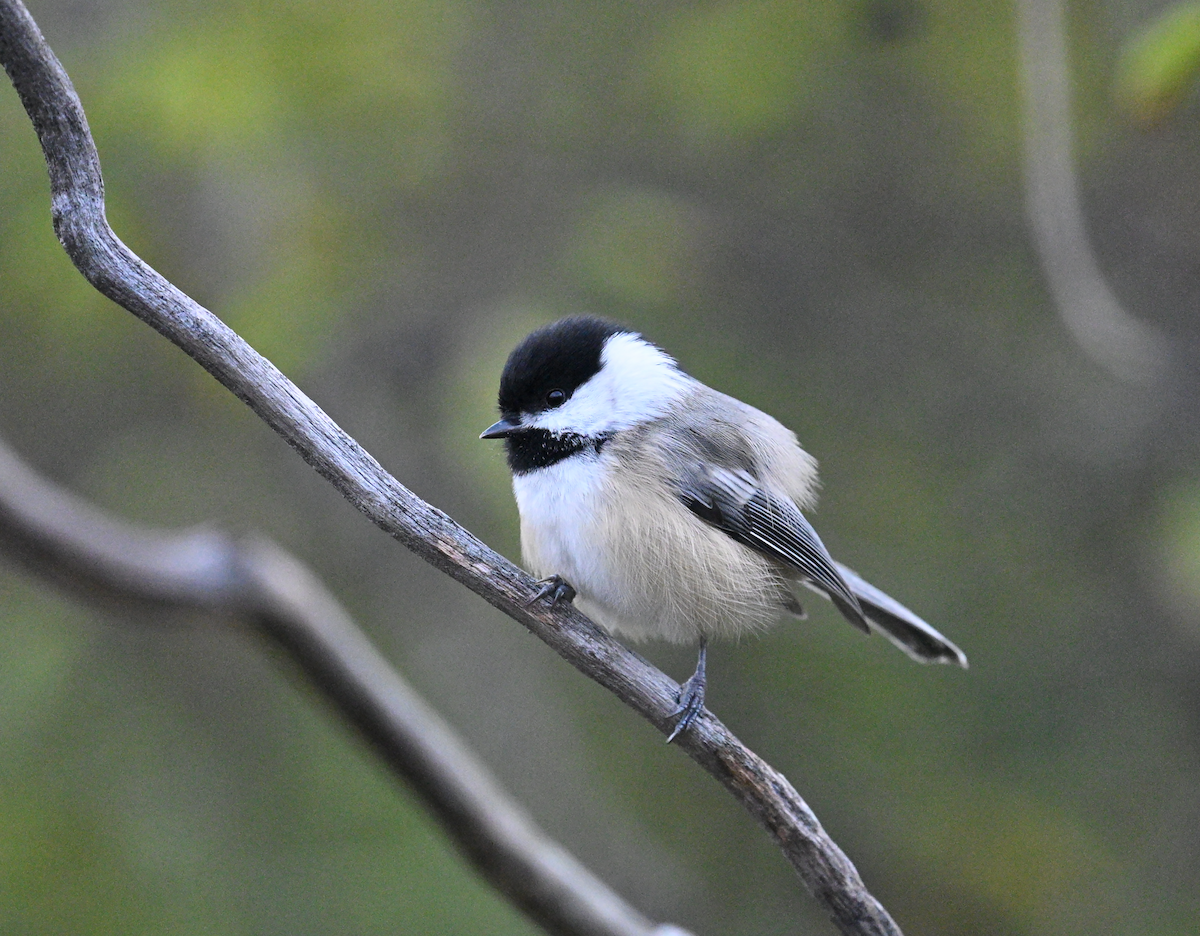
(642, 565)
(558, 506)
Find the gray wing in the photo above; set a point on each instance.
(735, 503)
(899, 625)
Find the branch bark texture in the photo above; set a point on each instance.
(70, 542)
(77, 193)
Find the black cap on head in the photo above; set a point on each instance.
(561, 356)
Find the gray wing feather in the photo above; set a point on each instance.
(899, 625)
(734, 502)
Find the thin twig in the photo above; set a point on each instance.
(1130, 349)
(78, 214)
(60, 537)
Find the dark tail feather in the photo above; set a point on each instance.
(899, 625)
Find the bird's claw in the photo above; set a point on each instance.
(691, 695)
(556, 588)
(691, 704)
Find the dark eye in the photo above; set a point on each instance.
(555, 399)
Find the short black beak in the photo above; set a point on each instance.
(501, 430)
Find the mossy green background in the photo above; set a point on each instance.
(815, 206)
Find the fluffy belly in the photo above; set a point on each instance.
(654, 571)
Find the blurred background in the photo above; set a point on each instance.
(817, 207)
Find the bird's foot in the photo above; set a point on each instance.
(691, 695)
(691, 704)
(556, 588)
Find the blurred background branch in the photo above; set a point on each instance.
(253, 581)
(1130, 349)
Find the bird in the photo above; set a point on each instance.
(665, 509)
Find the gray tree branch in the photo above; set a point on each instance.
(61, 538)
(77, 210)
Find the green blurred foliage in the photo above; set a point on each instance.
(637, 248)
(1160, 64)
(816, 207)
(735, 70)
(1178, 533)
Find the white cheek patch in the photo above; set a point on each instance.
(637, 382)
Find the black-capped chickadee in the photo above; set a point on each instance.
(671, 510)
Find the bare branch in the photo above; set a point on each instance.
(78, 213)
(1130, 349)
(70, 542)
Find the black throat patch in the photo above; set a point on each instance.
(531, 449)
